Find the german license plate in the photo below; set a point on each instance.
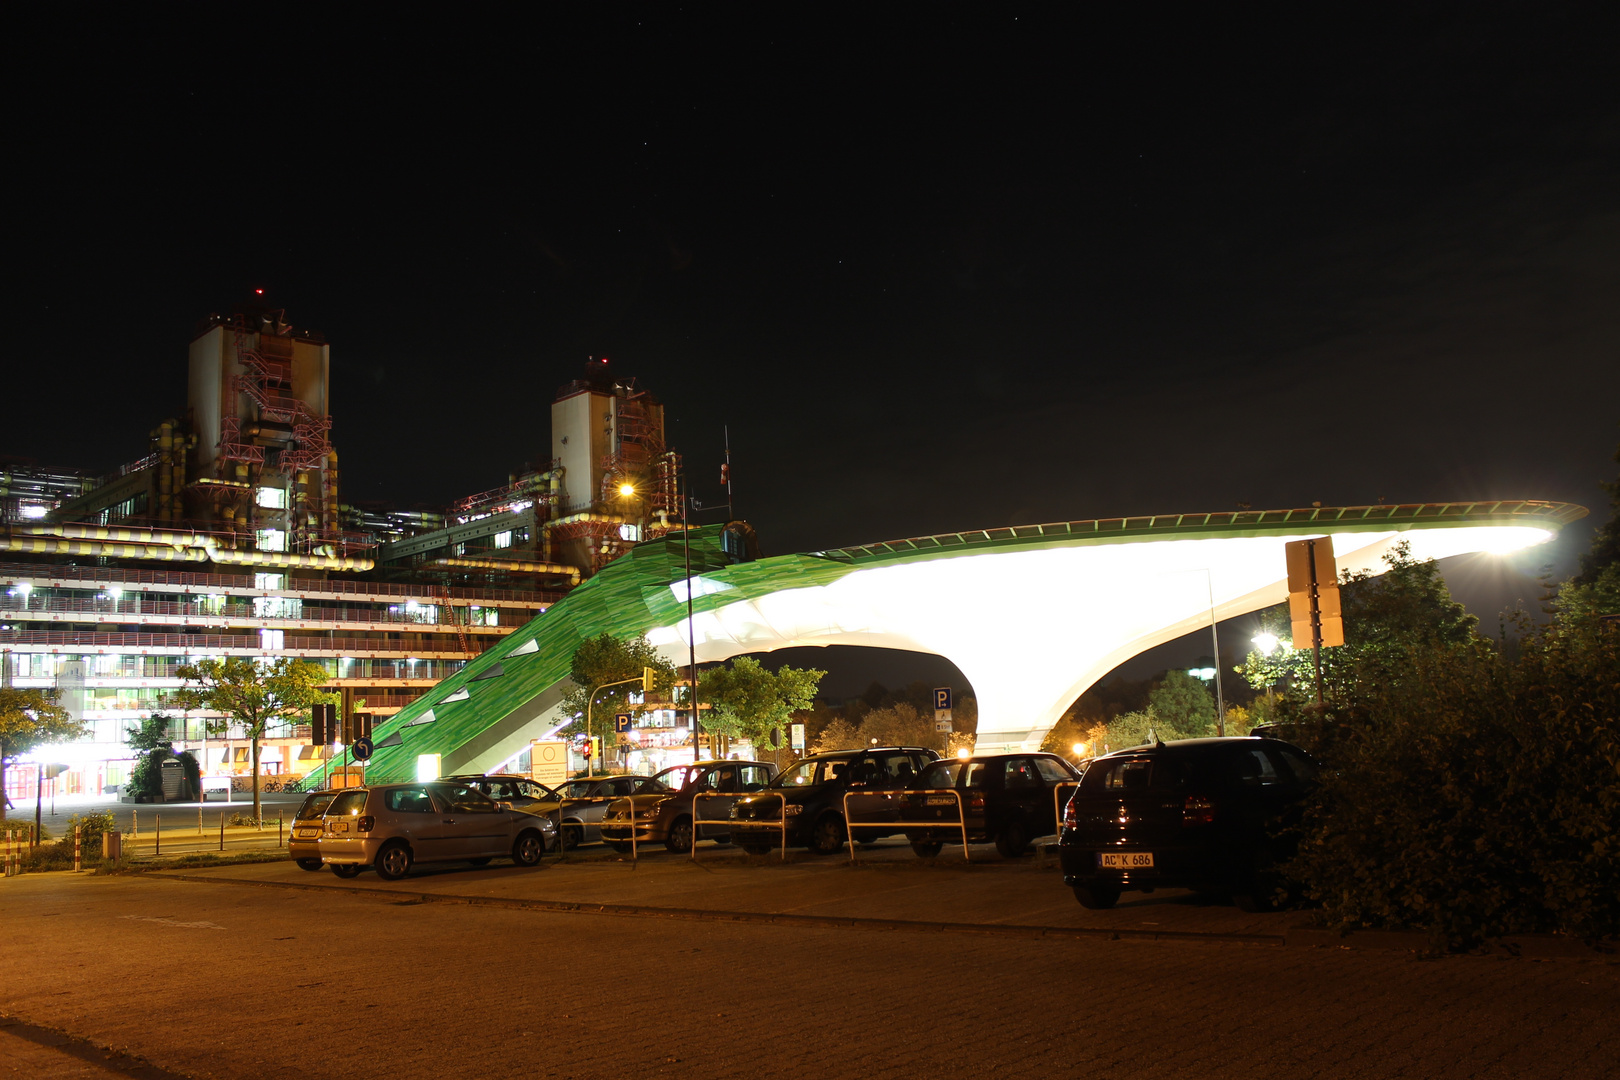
(306, 832)
(941, 800)
(340, 826)
(1125, 860)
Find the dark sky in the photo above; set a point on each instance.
(936, 266)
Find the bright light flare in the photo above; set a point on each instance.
(1266, 642)
(1080, 749)
(1509, 539)
(627, 490)
(963, 753)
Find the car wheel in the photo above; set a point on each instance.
(573, 835)
(346, 870)
(1013, 841)
(828, 835)
(1096, 897)
(393, 861)
(529, 848)
(927, 849)
(309, 864)
(756, 849)
(679, 839)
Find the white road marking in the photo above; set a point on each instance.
(166, 921)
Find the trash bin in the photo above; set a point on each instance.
(112, 845)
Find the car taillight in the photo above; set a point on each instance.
(1197, 810)
(365, 823)
(976, 803)
(1071, 816)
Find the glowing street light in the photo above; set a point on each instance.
(1080, 749)
(627, 490)
(1266, 642)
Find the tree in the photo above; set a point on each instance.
(150, 741)
(252, 694)
(606, 659)
(747, 699)
(1387, 619)
(30, 718)
(1183, 704)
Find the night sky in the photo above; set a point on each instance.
(937, 267)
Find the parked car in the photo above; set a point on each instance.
(304, 842)
(520, 791)
(585, 800)
(1206, 814)
(1007, 798)
(661, 811)
(391, 827)
(811, 794)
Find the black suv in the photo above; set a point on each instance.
(1203, 814)
(812, 796)
(1007, 798)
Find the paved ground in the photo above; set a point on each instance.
(257, 978)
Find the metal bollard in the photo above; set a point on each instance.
(199, 819)
(76, 838)
(157, 835)
(278, 830)
(222, 830)
(134, 824)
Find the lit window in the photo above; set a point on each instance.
(34, 513)
(273, 498)
(271, 639)
(503, 540)
(270, 581)
(630, 532)
(271, 540)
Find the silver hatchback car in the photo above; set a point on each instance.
(391, 827)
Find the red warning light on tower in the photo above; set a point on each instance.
(258, 292)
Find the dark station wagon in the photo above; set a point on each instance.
(1205, 814)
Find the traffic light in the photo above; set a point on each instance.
(595, 747)
(648, 677)
(322, 725)
(362, 725)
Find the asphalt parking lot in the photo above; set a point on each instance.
(737, 967)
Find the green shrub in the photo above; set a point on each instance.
(1472, 796)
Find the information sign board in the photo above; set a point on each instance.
(548, 761)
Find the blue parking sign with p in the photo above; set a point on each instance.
(942, 697)
(621, 723)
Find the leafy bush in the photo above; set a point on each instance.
(1470, 794)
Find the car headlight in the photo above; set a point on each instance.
(649, 811)
(793, 808)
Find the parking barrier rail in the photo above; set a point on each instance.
(851, 826)
(697, 820)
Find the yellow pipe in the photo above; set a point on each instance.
(47, 545)
(572, 518)
(282, 558)
(520, 566)
(137, 536)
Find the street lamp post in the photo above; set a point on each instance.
(589, 702)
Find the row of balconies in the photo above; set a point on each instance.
(270, 612)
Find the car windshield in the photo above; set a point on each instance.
(674, 778)
(348, 804)
(941, 774)
(315, 805)
(576, 789)
(813, 773)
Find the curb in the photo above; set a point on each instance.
(1528, 946)
(830, 922)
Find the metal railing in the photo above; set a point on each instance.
(901, 826)
(203, 644)
(428, 615)
(697, 820)
(247, 583)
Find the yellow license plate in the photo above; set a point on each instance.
(1125, 860)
